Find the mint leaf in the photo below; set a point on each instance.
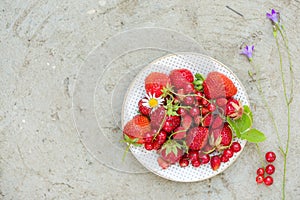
(234, 127)
(253, 135)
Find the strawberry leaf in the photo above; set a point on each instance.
(253, 135)
(234, 127)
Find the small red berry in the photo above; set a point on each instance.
(268, 180)
(228, 153)
(259, 179)
(189, 88)
(270, 169)
(211, 107)
(148, 146)
(204, 158)
(204, 102)
(161, 137)
(235, 147)
(196, 162)
(184, 162)
(260, 171)
(221, 102)
(215, 162)
(182, 112)
(199, 96)
(224, 158)
(204, 111)
(193, 155)
(270, 156)
(148, 137)
(156, 145)
(188, 100)
(194, 111)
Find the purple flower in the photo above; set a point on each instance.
(247, 51)
(273, 16)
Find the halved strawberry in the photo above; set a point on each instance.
(197, 137)
(155, 82)
(171, 151)
(137, 127)
(234, 109)
(179, 133)
(222, 137)
(181, 77)
(218, 85)
(186, 121)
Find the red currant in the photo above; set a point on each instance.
(161, 137)
(193, 155)
(184, 162)
(181, 111)
(268, 180)
(194, 111)
(260, 171)
(148, 146)
(211, 107)
(189, 88)
(204, 102)
(224, 158)
(199, 96)
(270, 156)
(149, 137)
(228, 153)
(196, 162)
(235, 147)
(270, 169)
(188, 100)
(259, 179)
(204, 158)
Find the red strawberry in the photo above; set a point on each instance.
(144, 109)
(197, 137)
(215, 162)
(186, 121)
(234, 108)
(171, 151)
(207, 120)
(162, 163)
(218, 85)
(171, 123)
(157, 117)
(181, 77)
(137, 128)
(223, 137)
(179, 133)
(155, 82)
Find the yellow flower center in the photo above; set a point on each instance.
(153, 102)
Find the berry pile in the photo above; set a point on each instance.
(184, 117)
(269, 170)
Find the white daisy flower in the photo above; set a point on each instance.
(152, 102)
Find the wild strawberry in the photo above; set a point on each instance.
(234, 108)
(137, 127)
(162, 163)
(144, 110)
(186, 121)
(222, 137)
(171, 123)
(180, 77)
(155, 82)
(218, 85)
(197, 137)
(215, 162)
(179, 133)
(157, 117)
(171, 151)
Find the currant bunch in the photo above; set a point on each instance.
(270, 157)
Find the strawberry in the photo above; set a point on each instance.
(137, 127)
(207, 120)
(162, 163)
(218, 85)
(234, 109)
(197, 137)
(171, 123)
(171, 151)
(222, 137)
(217, 122)
(215, 162)
(180, 78)
(186, 121)
(144, 110)
(155, 82)
(179, 133)
(157, 117)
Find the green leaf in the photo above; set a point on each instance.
(248, 111)
(234, 127)
(253, 135)
(244, 123)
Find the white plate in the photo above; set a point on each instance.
(196, 63)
